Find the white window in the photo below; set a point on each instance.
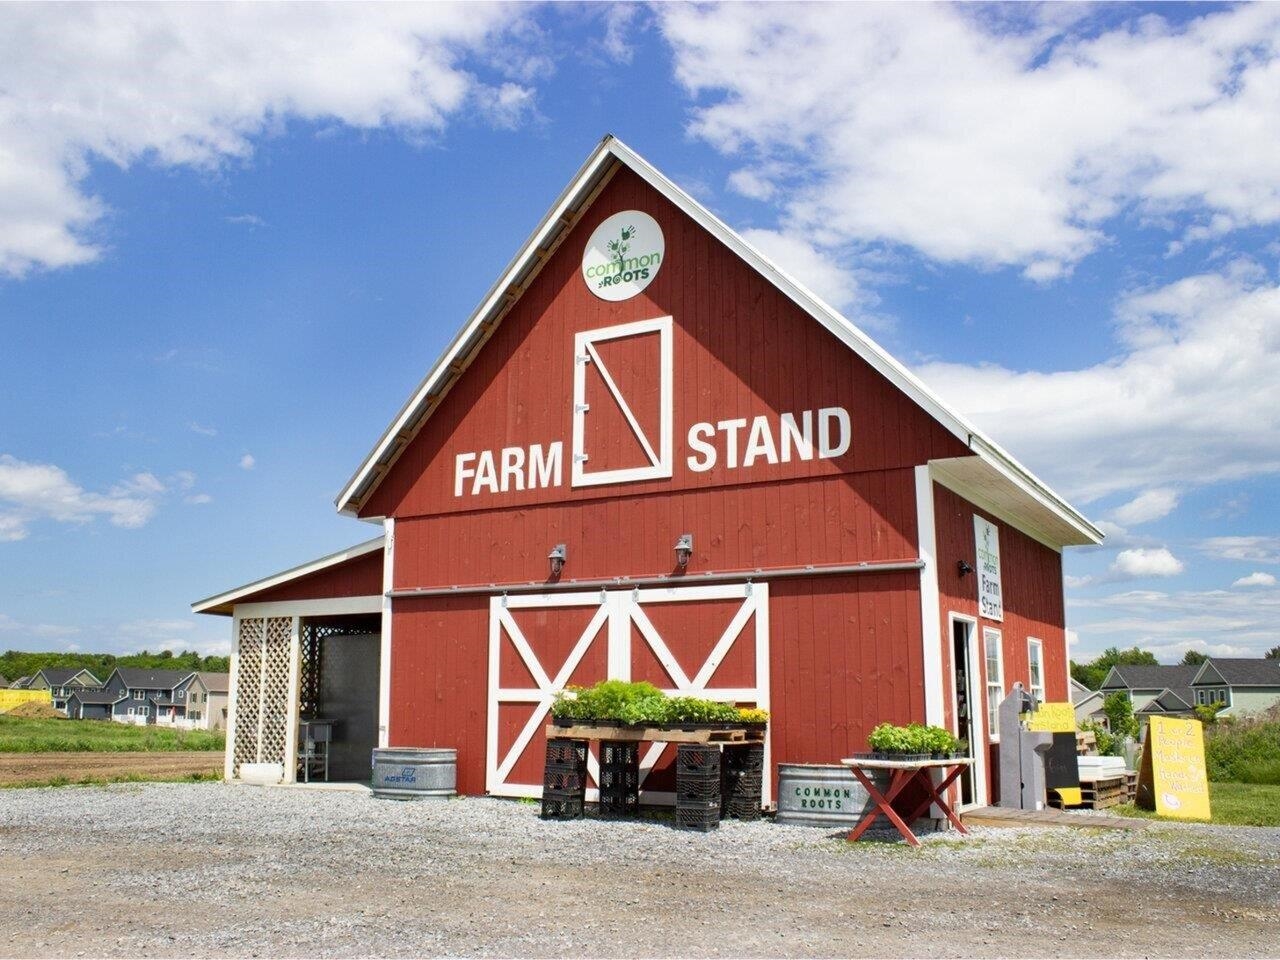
(1035, 668)
(1222, 696)
(992, 646)
(182, 695)
(194, 715)
(131, 711)
(1200, 697)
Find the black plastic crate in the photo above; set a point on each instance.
(561, 804)
(614, 779)
(708, 790)
(698, 815)
(619, 753)
(745, 759)
(562, 751)
(620, 802)
(697, 756)
(564, 779)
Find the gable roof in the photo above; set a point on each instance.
(1148, 677)
(22, 683)
(1170, 701)
(61, 676)
(142, 679)
(1239, 672)
(90, 695)
(215, 682)
(224, 602)
(992, 475)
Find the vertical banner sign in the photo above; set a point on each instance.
(1173, 780)
(987, 539)
(1061, 768)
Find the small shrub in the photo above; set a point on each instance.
(1244, 751)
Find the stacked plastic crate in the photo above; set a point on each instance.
(743, 781)
(698, 786)
(619, 777)
(564, 779)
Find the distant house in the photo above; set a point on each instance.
(4, 682)
(1088, 704)
(180, 698)
(87, 704)
(61, 682)
(1241, 685)
(22, 683)
(1154, 690)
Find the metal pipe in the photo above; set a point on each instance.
(688, 579)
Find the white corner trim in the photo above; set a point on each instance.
(384, 658)
(293, 573)
(930, 604)
(229, 760)
(291, 704)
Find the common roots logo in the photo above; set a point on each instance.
(623, 255)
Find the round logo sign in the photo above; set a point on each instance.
(623, 255)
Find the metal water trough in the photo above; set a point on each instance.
(415, 773)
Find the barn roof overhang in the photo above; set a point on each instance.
(224, 603)
(996, 469)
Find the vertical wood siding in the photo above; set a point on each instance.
(357, 577)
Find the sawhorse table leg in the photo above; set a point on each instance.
(884, 804)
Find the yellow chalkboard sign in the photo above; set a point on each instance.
(1053, 718)
(1172, 781)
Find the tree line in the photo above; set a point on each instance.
(17, 663)
(1092, 673)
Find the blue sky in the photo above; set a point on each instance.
(232, 240)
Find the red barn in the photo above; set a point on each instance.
(640, 378)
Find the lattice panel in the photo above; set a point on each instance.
(275, 690)
(309, 680)
(248, 683)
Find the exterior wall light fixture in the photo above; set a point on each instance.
(964, 566)
(557, 557)
(684, 549)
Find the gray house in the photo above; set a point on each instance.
(61, 682)
(89, 704)
(1241, 685)
(1154, 689)
(138, 692)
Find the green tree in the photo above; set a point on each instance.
(1193, 658)
(1092, 674)
(1119, 710)
(1273, 653)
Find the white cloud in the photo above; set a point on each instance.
(1146, 506)
(198, 498)
(247, 462)
(1250, 549)
(202, 429)
(1256, 579)
(1220, 622)
(1143, 562)
(1192, 396)
(978, 136)
(815, 269)
(246, 219)
(194, 85)
(36, 491)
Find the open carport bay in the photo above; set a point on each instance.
(167, 870)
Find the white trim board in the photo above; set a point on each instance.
(334, 607)
(551, 231)
(229, 597)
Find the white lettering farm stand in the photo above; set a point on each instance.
(902, 773)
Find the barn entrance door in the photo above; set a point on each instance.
(709, 641)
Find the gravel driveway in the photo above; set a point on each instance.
(181, 870)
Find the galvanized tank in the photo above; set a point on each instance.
(415, 773)
(820, 795)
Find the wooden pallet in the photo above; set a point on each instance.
(654, 734)
(1099, 794)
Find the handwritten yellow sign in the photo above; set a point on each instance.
(15, 698)
(1173, 780)
(1053, 718)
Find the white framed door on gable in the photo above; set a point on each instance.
(709, 641)
(623, 389)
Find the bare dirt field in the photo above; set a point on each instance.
(21, 768)
(183, 870)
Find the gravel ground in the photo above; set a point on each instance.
(168, 870)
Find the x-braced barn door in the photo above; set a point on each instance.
(709, 641)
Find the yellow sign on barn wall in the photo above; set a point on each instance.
(1173, 780)
(16, 698)
(1053, 718)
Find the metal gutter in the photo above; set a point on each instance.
(687, 579)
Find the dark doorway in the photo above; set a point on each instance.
(961, 633)
(341, 661)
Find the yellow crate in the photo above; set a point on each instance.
(15, 698)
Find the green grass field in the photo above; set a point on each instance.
(1234, 804)
(24, 735)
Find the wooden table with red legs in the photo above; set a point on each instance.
(903, 773)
